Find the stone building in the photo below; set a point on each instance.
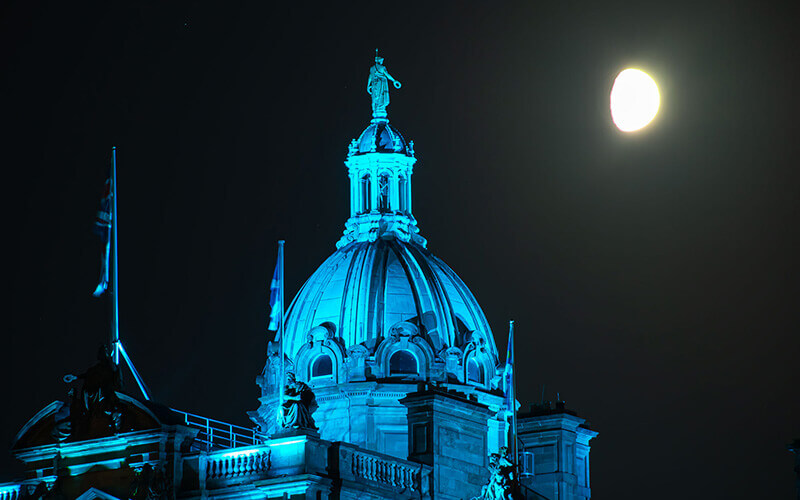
(407, 391)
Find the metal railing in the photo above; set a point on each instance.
(219, 435)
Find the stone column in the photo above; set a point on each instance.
(394, 192)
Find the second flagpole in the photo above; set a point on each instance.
(115, 271)
(281, 326)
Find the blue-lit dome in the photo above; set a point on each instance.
(365, 288)
(380, 137)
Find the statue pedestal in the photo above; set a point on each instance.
(283, 433)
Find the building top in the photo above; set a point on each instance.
(382, 290)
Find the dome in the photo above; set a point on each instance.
(381, 137)
(366, 288)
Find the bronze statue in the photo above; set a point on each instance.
(503, 480)
(149, 483)
(99, 391)
(378, 87)
(298, 404)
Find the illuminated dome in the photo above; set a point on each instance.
(381, 315)
(366, 288)
(382, 291)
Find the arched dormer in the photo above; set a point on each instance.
(404, 354)
(321, 361)
(478, 366)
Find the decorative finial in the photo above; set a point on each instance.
(378, 88)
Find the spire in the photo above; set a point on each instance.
(380, 163)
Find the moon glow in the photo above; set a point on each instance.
(634, 100)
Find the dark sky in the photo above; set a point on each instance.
(653, 277)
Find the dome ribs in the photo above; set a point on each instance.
(348, 315)
(300, 322)
(437, 297)
(469, 300)
(378, 292)
(357, 281)
(398, 254)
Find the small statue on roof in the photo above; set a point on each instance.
(98, 394)
(378, 87)
(298, 404)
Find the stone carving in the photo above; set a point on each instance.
(149, 483)
(98, 395)
(503, 481)
(378, 86)
(298, 404)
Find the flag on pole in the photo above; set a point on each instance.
(102, 226)
(276, 308)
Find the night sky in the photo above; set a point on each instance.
(653, 276)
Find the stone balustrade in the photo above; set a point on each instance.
(231, 465)
(296, 458)
(385, 471)
(10, 491)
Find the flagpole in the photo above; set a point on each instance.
(115, 275)
(281, 326)
(514, 448)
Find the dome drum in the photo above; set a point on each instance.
(323, 361)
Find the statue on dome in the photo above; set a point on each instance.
(298, 404)
(378, 87)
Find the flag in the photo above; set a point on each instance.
(102, 226)
(276, 308)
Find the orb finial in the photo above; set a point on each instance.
(378, 88)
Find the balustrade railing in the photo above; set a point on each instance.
(385, 471)
(10, 492)
(233, 465)
(218, 435)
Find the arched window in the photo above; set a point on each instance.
(383, 192)
(403, 363)
(365, 196)
(322, 366)
(402, 187)
(475, 373)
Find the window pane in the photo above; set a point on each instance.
(403, 363)
(474, 371)
(322, 367)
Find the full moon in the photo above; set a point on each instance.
(634, 100)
